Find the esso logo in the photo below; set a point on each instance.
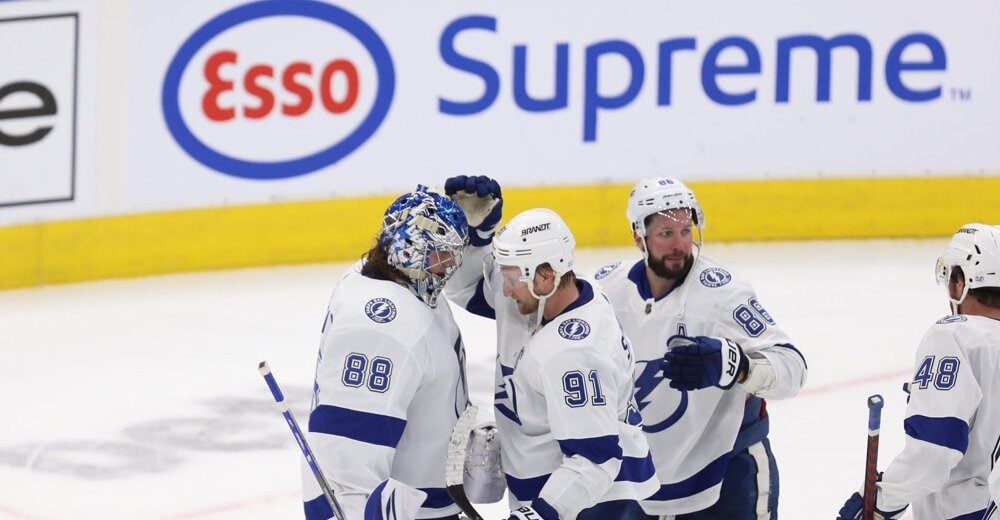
(277, 89)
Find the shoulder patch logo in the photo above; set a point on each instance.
(380, 310)
(715, 277)
(574, 329)
(606, 270)
(955, 318)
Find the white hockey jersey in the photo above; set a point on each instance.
(564, 407)
(390, 384)
(991, 512)
(693, 434)
(952, 423)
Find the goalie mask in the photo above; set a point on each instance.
(424, 235)
(976, 249)
(661, 195)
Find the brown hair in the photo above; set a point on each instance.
(988, 296)
(377, 266)
(569, 277)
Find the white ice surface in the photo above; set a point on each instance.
(140, 399)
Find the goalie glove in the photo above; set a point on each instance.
(480, 199)
(693, 363)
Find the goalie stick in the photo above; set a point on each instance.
(871, 458)
(455, 464)
(279, 399)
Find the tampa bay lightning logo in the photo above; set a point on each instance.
(957, 318)
(715, 277)
(667, 407)
(606, 270)
(380, 310)
(574, 329)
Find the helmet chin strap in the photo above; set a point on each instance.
(955, 303)
(536, 320)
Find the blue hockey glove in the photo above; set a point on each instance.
(480, 198)
(702, 361)
(854, 505)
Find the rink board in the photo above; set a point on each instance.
(342, 229)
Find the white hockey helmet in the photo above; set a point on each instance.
(976, 249)
(659, 194)
(533, 238)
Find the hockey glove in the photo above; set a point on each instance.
(525, 513)
(701, 362)
(480, 198)
(853, 507)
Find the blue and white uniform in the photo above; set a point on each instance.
(696, 436)
(569, 429)
(992, 512)
(390, 385)
(952, 423)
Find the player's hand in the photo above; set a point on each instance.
(480, 198)
(853, 507)
(524, 513)
(693, 363)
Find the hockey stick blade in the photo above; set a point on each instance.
(455, 464)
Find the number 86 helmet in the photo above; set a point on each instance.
(424, 235)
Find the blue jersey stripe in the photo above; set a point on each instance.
(709, 476)
(543, 508)
(636, 469)
(318, 509)
(977, 515)
(437, 498)
(947, 432)
(478, 304)
(372, 428)
(373, 508)
(526, 489)
(595, 449)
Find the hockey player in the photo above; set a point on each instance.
(390, 378)
(707, 355)
(953, 416)
(571, 447)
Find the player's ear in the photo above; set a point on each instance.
(637, 240)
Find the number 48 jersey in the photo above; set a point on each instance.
(952, 422)
(390, 384)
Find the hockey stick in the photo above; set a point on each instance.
(455, 465)
(279, 399)
(871, 459)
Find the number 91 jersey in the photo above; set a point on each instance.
(390, 384)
